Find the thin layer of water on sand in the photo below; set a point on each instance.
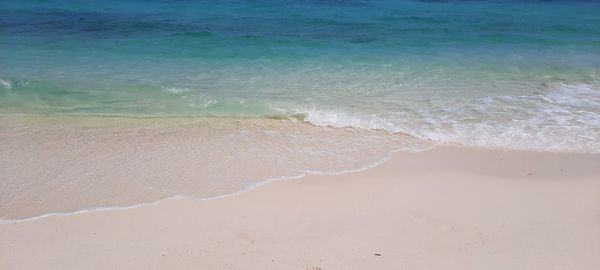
(65, 164)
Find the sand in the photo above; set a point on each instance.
(445, 208)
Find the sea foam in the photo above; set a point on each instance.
(6, 83)
(566, 118)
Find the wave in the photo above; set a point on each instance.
(564, 119)
(6, 83)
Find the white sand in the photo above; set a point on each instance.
(448, 208)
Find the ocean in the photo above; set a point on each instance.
(499, 74)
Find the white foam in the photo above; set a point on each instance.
(177, 90)
(340, 119)
(564, 119)
(6, 84)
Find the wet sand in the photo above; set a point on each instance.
(66, 164)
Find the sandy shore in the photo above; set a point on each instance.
(446, 208)
(66, 164)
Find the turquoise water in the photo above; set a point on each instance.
(515, 74)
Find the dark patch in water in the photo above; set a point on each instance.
(423, 19)
(58, 22)
(361, 40)
(199, 34)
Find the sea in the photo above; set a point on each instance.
(508, 74)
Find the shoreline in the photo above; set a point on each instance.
(507, 208)
(70, 124)
(265, 182)
(155, 159)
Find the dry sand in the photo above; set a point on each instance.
(445, 208)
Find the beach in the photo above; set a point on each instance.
(309, 135)
(444, 208)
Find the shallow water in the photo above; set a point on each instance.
(69, 164)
